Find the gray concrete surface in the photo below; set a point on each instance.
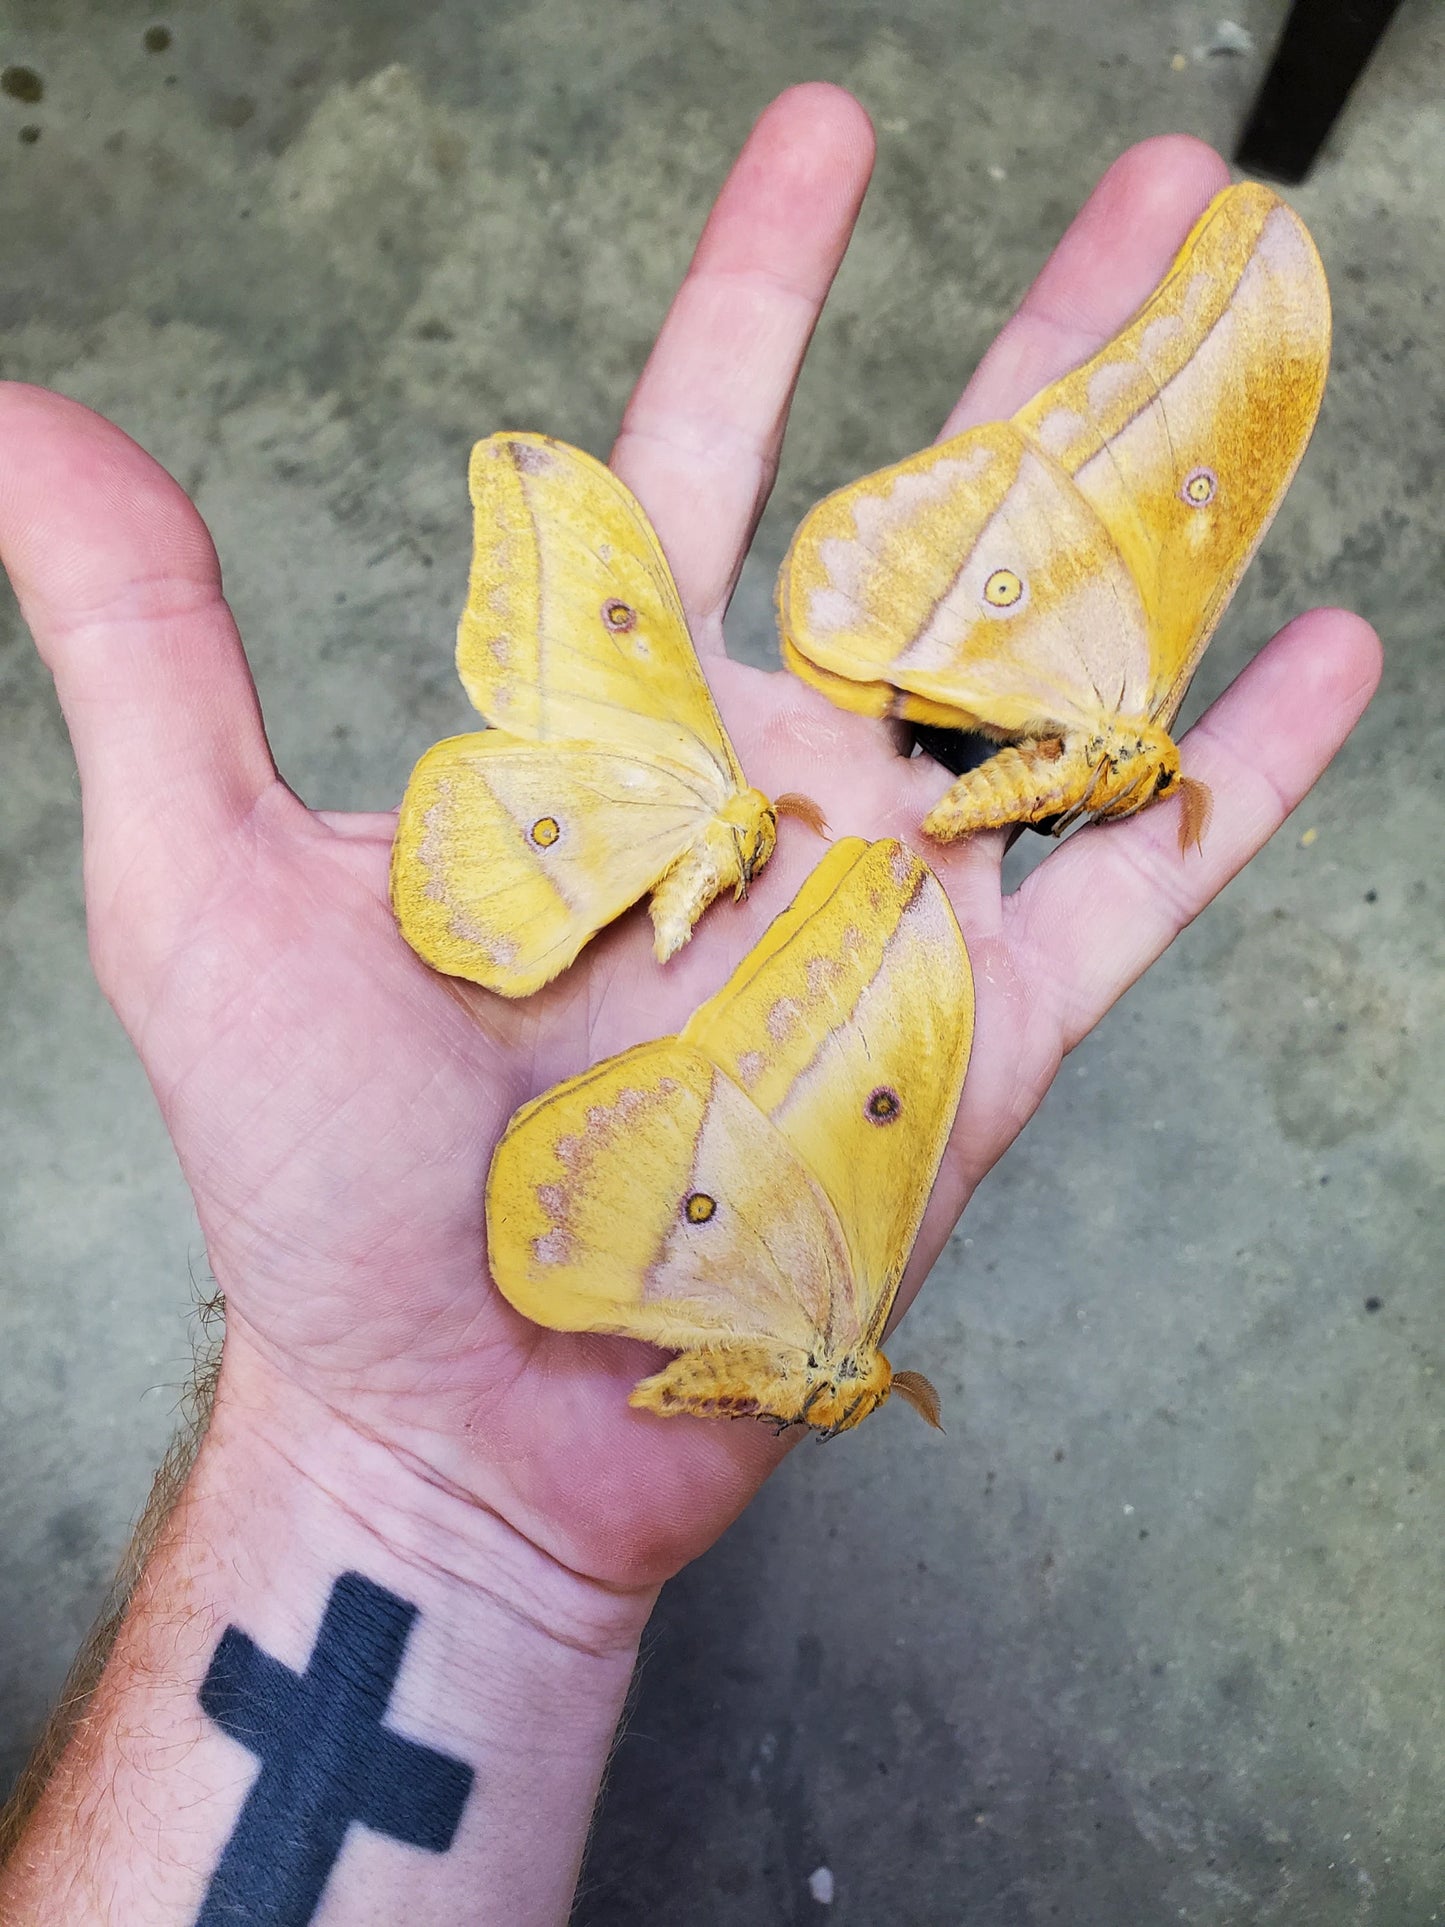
(1155, 1633)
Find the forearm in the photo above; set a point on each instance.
(333, 1679)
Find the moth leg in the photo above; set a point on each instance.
(847, 1418)
(809, 1402)
(1022, 783)
(1078, 809)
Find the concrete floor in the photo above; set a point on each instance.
(1154, 1634)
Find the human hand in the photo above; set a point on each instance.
(335, 1104)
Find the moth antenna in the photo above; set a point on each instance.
(1198, 807)
(919, 1392)
(804, 808)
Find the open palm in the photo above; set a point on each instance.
(335, 1104)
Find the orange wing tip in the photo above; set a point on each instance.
(919, 1392)
(1197, 808)
(791, 803)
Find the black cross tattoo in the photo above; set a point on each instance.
(326, 1759)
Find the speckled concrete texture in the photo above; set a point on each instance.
(1153, 1633)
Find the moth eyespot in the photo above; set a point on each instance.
(1199, 487)
(884, 1106)
(545, 831)
(619, 616)
(698, 1207)
(1004, 589)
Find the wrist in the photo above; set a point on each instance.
(343, 1489)
(336, 1675)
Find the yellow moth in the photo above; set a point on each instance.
(606, 772)
(1051, 581)
(747, 1193)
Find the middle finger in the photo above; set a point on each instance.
(700, 438)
